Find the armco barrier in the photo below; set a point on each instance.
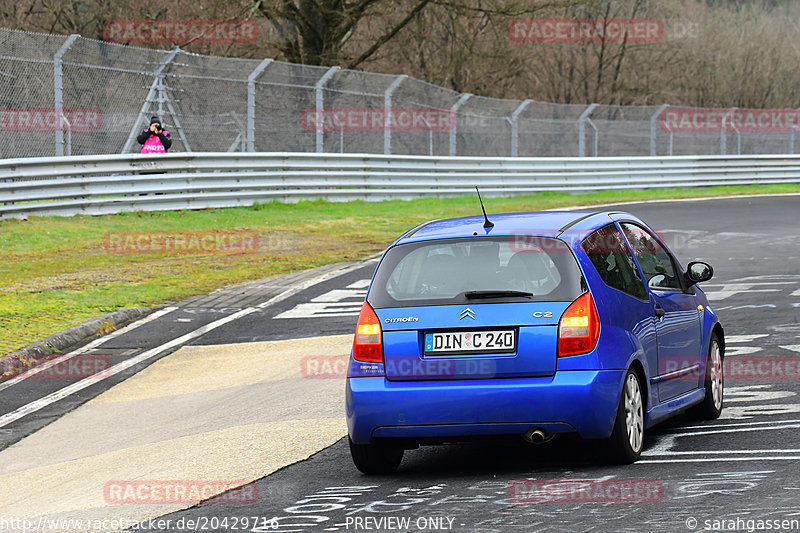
(100, 184)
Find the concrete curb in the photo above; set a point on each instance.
(63, 340)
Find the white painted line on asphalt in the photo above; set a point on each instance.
(83, 349)
(744, 283)
(740, 424)
(735, 287)
(676, 200)
(740, 350)
(325, 277)
(667, 440)
(715, 296)
(718, 459)
(767, 276)
(337, 295)
(720, 452)
(316, 310)
(730, 339)
(330, 304)
(777, 425)
(43, 402)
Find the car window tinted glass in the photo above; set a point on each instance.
(612, 260)
(657, 265)
(442, 271)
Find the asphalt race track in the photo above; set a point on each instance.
(247, 385)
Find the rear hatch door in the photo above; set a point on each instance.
(473, 308)
(500, 340)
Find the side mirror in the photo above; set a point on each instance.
(658, 281)
(698, 272)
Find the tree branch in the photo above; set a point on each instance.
(388, 36)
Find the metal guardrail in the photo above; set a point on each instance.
(103, 184)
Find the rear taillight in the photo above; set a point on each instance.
(368, 344)
(579, 327)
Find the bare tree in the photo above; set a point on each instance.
(315, 32)
(713, 53)
(465, 45)
(605, 69)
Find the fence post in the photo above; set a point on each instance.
(154, 89)
(251, 104)
(178, 126)
(723, 137)
(582, 129)
(515, 126)
(722, 140)
(318, 107)
(453, 110)
(68, 151)
(58, 83)
(671, 138)
(653, 129)
(387, 109)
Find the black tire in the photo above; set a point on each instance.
(711, 406)
(376, 458)
(627, 439)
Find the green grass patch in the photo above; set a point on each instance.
(57, 272)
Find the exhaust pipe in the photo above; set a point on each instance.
(536, 436)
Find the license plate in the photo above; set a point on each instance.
(458, 342)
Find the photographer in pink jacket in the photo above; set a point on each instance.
(154, 140)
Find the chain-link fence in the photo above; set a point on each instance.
(62, 95)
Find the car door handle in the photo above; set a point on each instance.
(660, 311)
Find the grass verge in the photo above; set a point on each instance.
(58, 272)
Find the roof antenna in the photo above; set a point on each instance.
(488, 224)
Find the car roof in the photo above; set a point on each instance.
(540, 223)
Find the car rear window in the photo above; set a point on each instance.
(443, 271)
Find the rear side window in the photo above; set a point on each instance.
(612, 260)
(443, 271)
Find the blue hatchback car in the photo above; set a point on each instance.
(533, 324)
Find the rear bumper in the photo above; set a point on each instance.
(584, 401)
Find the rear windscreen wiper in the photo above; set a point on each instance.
(474, 295)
